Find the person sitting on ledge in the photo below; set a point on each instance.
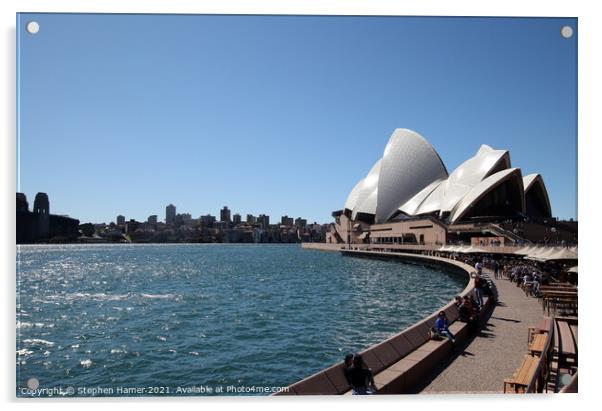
(468, 314)
(474, 303)
(347, 367)
(362, 379)
(442, 327)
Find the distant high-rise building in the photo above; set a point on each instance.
(152, 219)
(207, 220)
(131, 226)
(120, 219)
(300, 222)
(185, 218)
(224, 214)
(286, 220)
(170, 214)
(251, 219)
(263, 220)
(236, 219)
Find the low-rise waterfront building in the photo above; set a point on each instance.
(263, 221)
(131, 226)
(300, 222)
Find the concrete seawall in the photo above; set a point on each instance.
(402, 247)
(323, 246)
(408, 345)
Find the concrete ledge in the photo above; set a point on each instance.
(372, 361)
(460, 330)
(336, 375)
(385, 353)
(317, 384)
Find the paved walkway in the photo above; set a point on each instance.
(496, 352)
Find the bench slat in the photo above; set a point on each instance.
(567, 344)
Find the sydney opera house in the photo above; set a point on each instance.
(408, 196)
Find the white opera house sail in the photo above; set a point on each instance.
(411, 180)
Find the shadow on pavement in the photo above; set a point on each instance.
(507, 319)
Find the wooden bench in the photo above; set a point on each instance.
(548, 288)
(552, 300)
(544, 325)
(567, 347)
(533, 372)
(524, 377)
(559, 285)
(538, 345)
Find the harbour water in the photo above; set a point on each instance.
(189, 319)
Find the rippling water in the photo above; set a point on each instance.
(173, 316)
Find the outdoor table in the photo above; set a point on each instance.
(554, 299)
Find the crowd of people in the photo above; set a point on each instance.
(529, 279)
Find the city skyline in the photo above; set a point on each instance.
(280, 115)
(157, 217)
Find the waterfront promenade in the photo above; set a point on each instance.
(482, 364)
(497, 351)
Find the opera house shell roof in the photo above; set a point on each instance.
(411, 180)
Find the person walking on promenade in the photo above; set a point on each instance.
(362, 379)
(496, 269)
(442, 327)
(479, 267)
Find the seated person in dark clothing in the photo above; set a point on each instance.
(488, 291)
(362, 379)
(468, 313)
(475, 305)
(347, 367)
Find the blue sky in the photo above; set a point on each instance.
(124, 114)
